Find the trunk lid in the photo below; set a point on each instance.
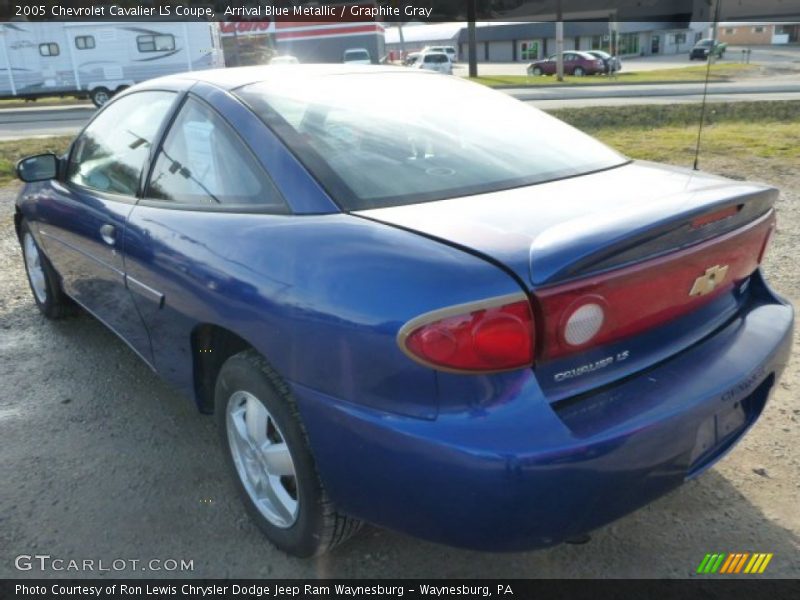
(557, 231)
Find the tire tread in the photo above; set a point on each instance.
(337, 528)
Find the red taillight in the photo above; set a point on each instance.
(498, 334)
(486, 336)
(621, 303)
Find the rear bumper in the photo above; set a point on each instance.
(523, 473)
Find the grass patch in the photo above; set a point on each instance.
(11, 151)
(766, 130)
(719, 72)
(676, 145)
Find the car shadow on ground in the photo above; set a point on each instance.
(101, 460)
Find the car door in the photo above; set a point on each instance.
(205, 185)
(83, 215)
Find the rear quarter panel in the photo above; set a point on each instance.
(321, 297)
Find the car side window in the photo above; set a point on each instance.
(110, 153)
(203, 163)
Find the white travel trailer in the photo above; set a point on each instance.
(98, 58)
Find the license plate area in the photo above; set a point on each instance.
(721, 430)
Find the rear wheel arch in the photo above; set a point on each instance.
(211, 346)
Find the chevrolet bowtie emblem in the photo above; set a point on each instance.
(707, 283)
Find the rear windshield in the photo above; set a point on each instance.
(376, 140)
(356, 55)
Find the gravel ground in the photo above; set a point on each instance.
(100, 460)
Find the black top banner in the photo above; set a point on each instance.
(402, 11)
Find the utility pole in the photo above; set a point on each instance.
(714, 12)
(473, 51)
(402, 42)
(559, 43)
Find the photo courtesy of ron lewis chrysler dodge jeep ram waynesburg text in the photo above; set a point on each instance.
(478, 325)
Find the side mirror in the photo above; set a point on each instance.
(40, 167)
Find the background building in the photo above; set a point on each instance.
(754, 34)
(252, 42)
(510, 42)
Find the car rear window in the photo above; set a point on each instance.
(376, 140)
(356, 55)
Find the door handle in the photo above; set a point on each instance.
(109, 234)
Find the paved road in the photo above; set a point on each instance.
(47, 121)
(659, 93)
(687, 99)
(43, 121)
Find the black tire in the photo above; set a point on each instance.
(537, 72)
(578, 72)
(318, 527)
(100, 96)
(55, 304)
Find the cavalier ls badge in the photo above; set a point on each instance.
(708, 281)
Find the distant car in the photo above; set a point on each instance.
(411, 58)
(357, 56)
(575, 63)
(449, 50)
(284, 60)
(611, 63)
(433, 61)
(704, 48)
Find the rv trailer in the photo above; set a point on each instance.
(98, 58)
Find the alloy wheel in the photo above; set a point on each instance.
(262, 459)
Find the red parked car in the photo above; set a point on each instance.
(575, 63)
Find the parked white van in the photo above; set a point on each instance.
(357, 56)
(449, 50)
(433, 61)
(100, 58)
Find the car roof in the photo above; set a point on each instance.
(235, 77)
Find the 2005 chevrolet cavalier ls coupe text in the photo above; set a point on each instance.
(479, 326)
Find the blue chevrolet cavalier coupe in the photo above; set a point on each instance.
(475, 325)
